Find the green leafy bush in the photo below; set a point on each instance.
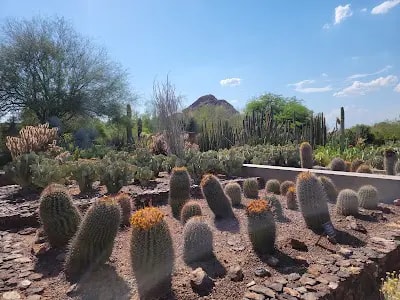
(20, 169)
(85, 173)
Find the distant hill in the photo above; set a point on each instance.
(211, 100)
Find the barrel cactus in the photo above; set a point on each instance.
(234, 192)
(306, 155)
(397, 168)
(355, 164)
(218, 202)
(347, 203)
(368, 197)
(125, 202)
(285, 186)
(364, 169)
(152, 253)
(250, 188)
(189, 210)
(330, 188)
(197, 240)
(291, 202)
(273, 186)
(312, 199)
(179, 189)
(93, 243)
(59, 216)
(389, 160)
(275, 205)
(338, 164)
(261, 226)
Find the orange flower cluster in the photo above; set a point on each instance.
(292, 189)
(257, 207)
(179, 169)
(146, 218)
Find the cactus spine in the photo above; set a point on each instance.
(261, 226)
(250, 188)
(93, 243)
(285, 186)
(218, 202)
(189, 210)
(330, 188)
(273, 186)
(306, 155)
(59, 216)
(152, 253)
(291, 202)
(338, 164)
(368, 197)
(389, 160)
(234, 192)
(179, 190)
(313, 200)
(197, 240)
(124, 201)
(347, 203)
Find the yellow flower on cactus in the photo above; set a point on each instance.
(146, 218)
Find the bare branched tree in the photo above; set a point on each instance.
(166, 105)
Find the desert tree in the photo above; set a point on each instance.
(46, 67)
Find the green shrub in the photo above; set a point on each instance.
(46, 171)
(261, 226)
(347, 203)
(250, 188)
(85, 173)
(197, 240)
(231, 161)
(368, 197)
(115, 173)
(92, 245)
(306, 155)
(152, 253)
(338, 164)
(218, 202)
(312, 199)
(285, 186)
(59, 216)
(189, 210)
(234, 192)
(20, 169)
(273, 186)
(330, 188)
(179, 190)
(143, 175)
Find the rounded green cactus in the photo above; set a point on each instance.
(234, 192)
(179, 189)
(313, 201)
(355, 164)
(285, 186)
(368, 197)
(92, 245)
(218, 202)
(273, 186)
(275, 205)
(250, 188)
(291, 202)
(261, 226)
(189, 210)
(306, 155)
(197, 240)
(389, 160)
(338, 164)
(152, 253)
(364, 169)
(125, 202)
(330, 188)
(347, 203)
(59, 216)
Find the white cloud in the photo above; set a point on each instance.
(342, 12)
(384, 7)
(326, 26)
(364, 9)
(383, 70)
(301, 87)
(324, 75)
(361, 88)
(230, 82)
(397, 88)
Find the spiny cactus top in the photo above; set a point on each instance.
(257, 207)
(146, 218)
(292, 189)
(206, 178)
(179, 169)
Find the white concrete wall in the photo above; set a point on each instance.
(388, 186)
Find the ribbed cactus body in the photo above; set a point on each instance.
(275, 205)
(368, 197)
(364, 169)
(216, 199)
(338, 164)
(152, 253)
(179, 190)
(197, 240)
(250, 188)
(234, 192)
(125, 202)
(397, 168)
(59, 216)
(330, 188)
(261, 226)
(306, 155)
(312, 199)
(291, 202)
(189, 210)
(93, 243)
(347, 203)
(355, 164)
(285, 186)
(273, 186)
(389, 161)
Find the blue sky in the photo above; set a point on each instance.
(329, 53)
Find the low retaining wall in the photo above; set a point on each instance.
(388, 186)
